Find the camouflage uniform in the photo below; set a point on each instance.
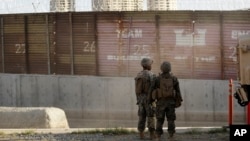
(166, 106)
(146, 107)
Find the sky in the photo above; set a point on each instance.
(213, 4)
(39, 6)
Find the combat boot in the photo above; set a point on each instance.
(152, 135)
(170, 136)
(141, 135)
(157, 137)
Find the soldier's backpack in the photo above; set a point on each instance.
(166, 88)
(143, 85)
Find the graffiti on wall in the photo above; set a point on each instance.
(202, 59)
(129, 33)
(205, 59)
(138, 51)
(187, 38)
(125, 57)
(235, 35)
(184, 38)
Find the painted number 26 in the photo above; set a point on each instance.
(89, 46)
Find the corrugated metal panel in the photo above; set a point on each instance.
(207, 46)
(37, 40)
(234, 25)
(141, 32)
(62, 53)
(176, 44)
(199, 44)
(108, 43)
(191, 42)
(14, 44)
(123, 40)
(84, 43)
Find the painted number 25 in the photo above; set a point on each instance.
(141, 50)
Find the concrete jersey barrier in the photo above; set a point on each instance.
(32, 117)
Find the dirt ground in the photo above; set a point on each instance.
(196, 136)
(178, 137)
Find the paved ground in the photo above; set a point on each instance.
(194, 134)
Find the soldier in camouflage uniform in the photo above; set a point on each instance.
(165, 105)
(143, 82)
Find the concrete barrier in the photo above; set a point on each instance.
(27, 117)
(106, 102)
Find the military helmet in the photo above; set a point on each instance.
(166, 67)
(146, 62)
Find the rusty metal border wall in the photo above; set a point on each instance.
(199, 44)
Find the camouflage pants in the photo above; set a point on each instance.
(146, 112)
(166, 108)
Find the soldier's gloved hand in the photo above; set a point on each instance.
(177, 103)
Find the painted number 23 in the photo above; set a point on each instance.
(20, 48)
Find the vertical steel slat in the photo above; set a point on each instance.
(26, 44)
(48, 42)
(157, 18)
(71, 44)
(129, 44)
(55, 24)
(221, 45)
(2, 39)
(63, 45)
(120, 43)
(54, 44)
(97, 45)
(193, 46)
